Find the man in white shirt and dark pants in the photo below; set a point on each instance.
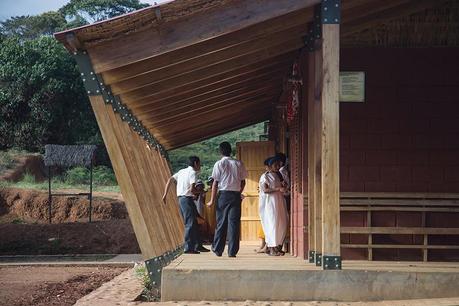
(186, 188)
(229, 179)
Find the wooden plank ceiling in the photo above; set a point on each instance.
(190, 70)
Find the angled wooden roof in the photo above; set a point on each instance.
(193, 69)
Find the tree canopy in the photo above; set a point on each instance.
(42, 99)
(31, 27)
(97, 10)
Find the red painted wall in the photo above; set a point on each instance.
(405, 136)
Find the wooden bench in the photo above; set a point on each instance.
(423, 203)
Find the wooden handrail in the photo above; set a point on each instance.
(401, 230)
(400, 246)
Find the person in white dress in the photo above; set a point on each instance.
(272, 208)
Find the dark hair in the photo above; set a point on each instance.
(272, 160)
(266, 162)
(192, 160)
(281, 156)
(225, 148)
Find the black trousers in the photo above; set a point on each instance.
(189, 213)
(228, 222)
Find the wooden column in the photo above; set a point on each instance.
(317, 166)
(311, 158)
(329, 131)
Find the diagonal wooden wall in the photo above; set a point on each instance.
(142, 174)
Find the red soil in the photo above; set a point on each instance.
(110, 232)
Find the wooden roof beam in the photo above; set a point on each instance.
(216, 57)
(201, 108)
(187, 31)
(225, 80)
(232, 64)
(211, 96)
(220, 43)
(213, 131)
(220, 112)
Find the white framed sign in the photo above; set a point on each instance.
(352, 86)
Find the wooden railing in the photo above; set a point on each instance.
(422, 203)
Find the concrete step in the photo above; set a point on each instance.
(259, 277)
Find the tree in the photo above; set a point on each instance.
(97, 10)
(31, 27)
(42, 99)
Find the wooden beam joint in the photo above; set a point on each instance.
(327, 12)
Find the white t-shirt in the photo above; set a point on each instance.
(185, 178)
(229, 173)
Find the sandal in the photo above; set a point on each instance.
(273, 252)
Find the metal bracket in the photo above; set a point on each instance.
(311, 256)
(331, 11)
(318, 259)
(94, 85)
(315, 30)
(155, 265)
(331, 262)
(328, 12)
(88, 76)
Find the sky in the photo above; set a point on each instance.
(9, 8)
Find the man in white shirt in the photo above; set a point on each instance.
(229, 179)
(186, 189)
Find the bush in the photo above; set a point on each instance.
(77, 176)
(28, 178)
(104, 176)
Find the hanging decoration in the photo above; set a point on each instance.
(293, 97)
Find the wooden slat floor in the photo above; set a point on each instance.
(248, 259)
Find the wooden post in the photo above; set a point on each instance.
(311, 159)
(329, 132)
(317, 167)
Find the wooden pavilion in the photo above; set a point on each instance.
(373, 178)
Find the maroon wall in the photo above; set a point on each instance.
(405, 136)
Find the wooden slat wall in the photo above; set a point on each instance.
(252, 154)
(142, 174)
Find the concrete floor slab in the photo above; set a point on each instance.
(258, 277)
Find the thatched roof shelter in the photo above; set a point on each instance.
(69, 155)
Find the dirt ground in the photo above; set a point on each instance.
(31, 206)
(24, 228)
(100, 237)
(38, 285)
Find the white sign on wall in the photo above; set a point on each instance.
(352, 86)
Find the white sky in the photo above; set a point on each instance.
(9, 8)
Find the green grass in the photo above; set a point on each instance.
(75, 178)
(57, 185)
